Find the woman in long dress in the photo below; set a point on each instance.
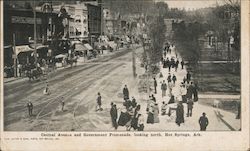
(179, 114)
(156, 113)
(150, 118)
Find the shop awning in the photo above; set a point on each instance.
(75, 42)
(61, 56)
(7, 47)
(38, 46)
(80, 47)
(23, 48)
(112, 44)
(88, 46)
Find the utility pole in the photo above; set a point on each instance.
(133, 51)
(35, 37)
(15, 55)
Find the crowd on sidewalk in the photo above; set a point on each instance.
(131, 115)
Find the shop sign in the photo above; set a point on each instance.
(25, 20)
(23, 48)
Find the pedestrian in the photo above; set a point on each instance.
(113, 114)
(165, 54)
(174, 78)
(171, 100)
(188, 77)
(163, 108)
(150, 118)
(203, 121)
(125, 93)
(133, 103)
(163, 88)
(190, 91)
(20, 69)
(156, 113)
(195, 92)
(164, 63)
(127, 104)
(153, 98)
(176, 64)
(172, 63)
(190, 104)
(183, 92)
(184, 79)
(134, 122)
(155, 85)
(170, 88)
(169, 78)
(179, 114)
(182, 64)
(140, 122)
(46, 91)
(169, 65)
(62, 103)
(30, 107)
(99, 102)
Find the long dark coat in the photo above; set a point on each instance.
(179, 114)
(195, 92)
(125, 93)
(113, 114)
(190, 91)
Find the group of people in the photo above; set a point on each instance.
(130, 115)
(172, 63)
(152, 110)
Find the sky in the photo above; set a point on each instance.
(191, 4)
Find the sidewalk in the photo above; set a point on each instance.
(219, 120)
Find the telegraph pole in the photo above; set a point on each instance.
(15, 55)
(35, 37)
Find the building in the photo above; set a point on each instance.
(81, 21)
(94, 22)
(19, 34)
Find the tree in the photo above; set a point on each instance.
(186, 36)
(157, 31)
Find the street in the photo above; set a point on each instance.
(78, 87)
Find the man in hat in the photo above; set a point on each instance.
(125, 93)
(113, 114)
(176, 64)
(203, 121)
(99, 102)
(155, 85)
(46, 90)
(182, 64)
(174, 78)
(190, 104)
(62, 103)
(30, 107)
(153, 98)
(169, 78)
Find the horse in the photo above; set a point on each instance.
(72, 61)
(34, 74)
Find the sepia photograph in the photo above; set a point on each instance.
(122, 65)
